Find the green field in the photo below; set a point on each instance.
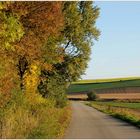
(105, 80)
(86, 85)
(119, 104)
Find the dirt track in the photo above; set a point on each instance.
(89, 123)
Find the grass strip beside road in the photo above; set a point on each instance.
(55, 125)
(119, 104)
(125, 114)
(38, 121)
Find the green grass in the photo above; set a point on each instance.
(104, 80)
(120, 104)
(117, 112)
(86, 86)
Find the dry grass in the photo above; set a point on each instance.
(77, 96)
(119, 96)
(18, 124)
(105, 80)
(19, 120)
(53, 124)
(126, 114)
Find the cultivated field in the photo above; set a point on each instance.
(124, 88)
(113, 96)
(105, 80)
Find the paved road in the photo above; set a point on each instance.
(88, 123)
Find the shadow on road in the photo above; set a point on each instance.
(77, 99)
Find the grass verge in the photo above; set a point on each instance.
(54, 125)
(20, 120)
(124, 114)
(132, 105)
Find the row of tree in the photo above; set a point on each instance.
(44, 46)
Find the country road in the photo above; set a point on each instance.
(88, 123)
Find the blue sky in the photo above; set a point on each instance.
(117, 52)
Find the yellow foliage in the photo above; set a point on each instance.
(31, 81)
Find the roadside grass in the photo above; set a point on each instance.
(125, 114)
(119, 104)
(42, 120)
(87, 86)
(53, 125)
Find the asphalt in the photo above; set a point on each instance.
(88, 123)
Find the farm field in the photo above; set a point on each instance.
(105, 96)
(122, 89)
(119, 96)
(105, 80)
(82, 85)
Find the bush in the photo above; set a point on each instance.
(54, 88)
(61, 100)
(91, 95)
(40, 120)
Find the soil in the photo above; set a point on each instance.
(112, 93)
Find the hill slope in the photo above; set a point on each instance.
(86, 85)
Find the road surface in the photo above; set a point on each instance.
(88, 123)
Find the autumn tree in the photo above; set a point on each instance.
(11, 31)
(48, 42)
(25, 29)
(76, 39)
(41, 21)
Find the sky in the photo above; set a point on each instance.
(117, 52)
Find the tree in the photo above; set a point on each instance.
(78, 35)
(92, 96)
(76, 39)
(10, 32)
(40, 21)
(51, 42)
(26, 27)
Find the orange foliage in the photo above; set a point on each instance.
(8, 78)
(40, 20)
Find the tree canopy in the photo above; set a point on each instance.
(45, 43)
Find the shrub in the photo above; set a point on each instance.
(54, 88)
(91, 95)
(40, 120)
(61, 100)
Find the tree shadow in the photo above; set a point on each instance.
(77, 99)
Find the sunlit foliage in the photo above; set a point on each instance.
(77, 37)
(43, 47)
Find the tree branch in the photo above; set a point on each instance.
(67, 45)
